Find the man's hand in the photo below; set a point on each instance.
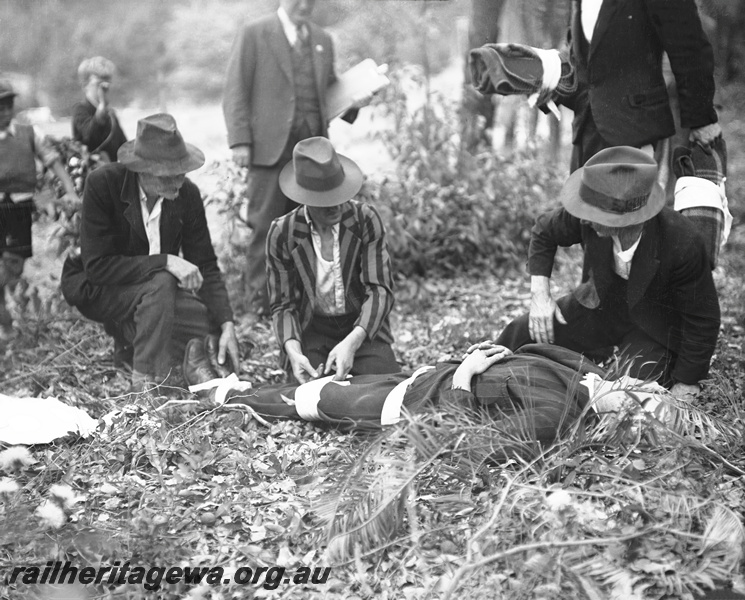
(476, 362)
(341, 357)
(188, 274)
(543, 309)
(103, 96)
(229, 345)
(685, 391)
(301, 367)
(706, 134)
(242, 155)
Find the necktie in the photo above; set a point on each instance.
(302, 38)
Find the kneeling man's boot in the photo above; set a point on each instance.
(197, 367)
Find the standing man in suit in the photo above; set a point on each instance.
(328, 270)
(646, 284)
(616, 47)
(275, 96)
(147, 268)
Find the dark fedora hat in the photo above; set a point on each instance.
(617, 187)
(6, 89)
(318, 176)
(159, 149)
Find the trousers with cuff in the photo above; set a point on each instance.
(156, 317)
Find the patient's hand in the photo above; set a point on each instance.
(475, 363)
(485, 345)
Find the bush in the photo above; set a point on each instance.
(450, 211)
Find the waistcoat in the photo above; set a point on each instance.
(307, 106)
(17, 164)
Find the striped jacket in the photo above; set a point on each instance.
(366, 270)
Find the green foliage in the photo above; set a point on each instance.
(450, 211)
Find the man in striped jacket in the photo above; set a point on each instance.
(328, 271)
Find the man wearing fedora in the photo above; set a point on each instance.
(275, 95)
(147, 268)
(646, 283)
(328, 270)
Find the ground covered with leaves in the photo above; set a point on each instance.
(626, 509)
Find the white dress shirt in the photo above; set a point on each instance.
(589, 17)
(329, 282)
(622, 258)
(288, 26)
(151, 219)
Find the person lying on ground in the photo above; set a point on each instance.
(534, 393)
(20, 146)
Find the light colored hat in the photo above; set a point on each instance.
(318, 176)
(159, 149)
(617, 187)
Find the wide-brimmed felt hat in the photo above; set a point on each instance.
(6, 89)
(159, 149)
(617, 187)
(318, 176)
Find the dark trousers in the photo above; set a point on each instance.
(595, 332)
(323, 333)
(156, 317)
(266, 202)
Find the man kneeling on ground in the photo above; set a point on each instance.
(147, 268)
(328, 270)
(646, 284)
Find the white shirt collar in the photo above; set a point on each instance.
(590, 11)
(288, 26)
(11, 130)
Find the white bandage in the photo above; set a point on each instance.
(391, 412)
(223, 385)
(308, 395)
(551, 63)
(697, 192)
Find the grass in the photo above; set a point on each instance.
(596, 517)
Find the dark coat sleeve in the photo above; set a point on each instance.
(239, 82)
(197, 248)
(695, 299)
(678, 26)
(551, 230)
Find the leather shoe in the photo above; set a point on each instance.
(211, 347)
(197, 367)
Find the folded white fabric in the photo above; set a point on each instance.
(41, 420)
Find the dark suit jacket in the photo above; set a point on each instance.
(366, 270)
(259, 101)
(670, 292)
(620, 74)
(114, 245)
